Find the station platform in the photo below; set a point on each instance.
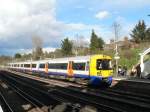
(120, 78)
(131, 79)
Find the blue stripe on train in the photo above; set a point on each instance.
(94, 80)
(65, 74)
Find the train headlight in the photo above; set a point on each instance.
(99, 74)
(111, 73)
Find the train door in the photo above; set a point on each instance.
(30, 67)
(69, 69)
(46, 67)
(37, 67)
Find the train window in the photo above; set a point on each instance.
(62, 66)
(103, 64)
(27, 65)
(51, 66)
(33, 65)
(78, 66)
(21, 65)
(42, 65)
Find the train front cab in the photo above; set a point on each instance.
(100, 70)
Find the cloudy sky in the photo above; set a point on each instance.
(53, 20)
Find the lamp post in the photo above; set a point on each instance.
(116, 28)
(116, 57)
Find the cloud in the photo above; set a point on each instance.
(102, 14)
(81, 27)
(46, 49)
(20, 20)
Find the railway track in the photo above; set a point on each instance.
(122, 102)
(124, 90)
(15, 100)
(134, 87)
(117, 93)
(56, 81)
(74, 103)
(41, 100)
(105, 101)
(4, 104)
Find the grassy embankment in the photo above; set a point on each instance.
(131, 56)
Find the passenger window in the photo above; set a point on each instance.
(62, 66)
(42, 65)
(79, 66)
(27, 65)
(33, 65)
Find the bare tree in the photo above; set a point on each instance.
(37, 43)
(79, 44)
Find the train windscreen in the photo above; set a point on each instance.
(103, 64)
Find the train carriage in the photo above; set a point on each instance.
(95, 68)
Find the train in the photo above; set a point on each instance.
(94, 69)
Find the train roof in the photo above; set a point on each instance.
(77, 58)
(66, 59)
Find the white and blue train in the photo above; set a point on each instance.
(96, 68)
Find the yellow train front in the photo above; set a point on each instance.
(100, 70)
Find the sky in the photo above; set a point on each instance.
(54, 20)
